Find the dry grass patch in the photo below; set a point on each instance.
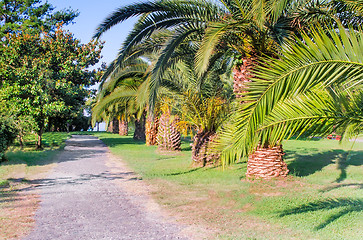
(18, 206)
(19, 198)
(218, 213)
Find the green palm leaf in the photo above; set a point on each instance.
(323, 58)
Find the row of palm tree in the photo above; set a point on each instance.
(240, 75)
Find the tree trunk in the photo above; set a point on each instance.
(110, 126)
(168, 137)
(139, 133)
(123, 128)
(266, 162)
(201, 153)
(151, 130)
(241, 77)
(39, 142)
(21, 142)
(115, 126)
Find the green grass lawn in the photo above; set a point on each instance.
(22, 163)
(17, 204)
(321, 199)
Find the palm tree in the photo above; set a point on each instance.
(242, 30)
(117, 97)
(201, 103)
(330, 60)
(168, 136)
(260, 28)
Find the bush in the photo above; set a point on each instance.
(7, 135)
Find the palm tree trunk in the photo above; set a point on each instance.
(110, 126)
(139, 133)
(151, 130)
(241, 76)
(123, 128)
(201, 153)
(115, 126)
(266, 162)
(168, 138)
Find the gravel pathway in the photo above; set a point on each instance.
(81, 199)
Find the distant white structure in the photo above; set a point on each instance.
(101, 127)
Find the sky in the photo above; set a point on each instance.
(92, 13)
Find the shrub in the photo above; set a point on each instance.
(7, 135)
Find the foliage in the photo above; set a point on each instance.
(7, 135)
(118, 93)
(330, 60)
(44, 74)
(219, 29)
(31, 15)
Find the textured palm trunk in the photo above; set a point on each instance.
(266, 163)
(123, 128)
(241, 77)
(115, 126)
(139, 133)
(168, 137)
(151, 130)
(201, 152)
(110, 126)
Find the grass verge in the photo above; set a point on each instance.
(18, 199)
(321, 199)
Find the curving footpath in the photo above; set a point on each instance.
(81, 199)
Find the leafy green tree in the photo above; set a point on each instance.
(34, 15)
(44, 74)
(8, 133)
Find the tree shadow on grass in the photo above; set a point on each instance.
(183, 172)
(346, 206)
(305, 165)
(336, 186)
(113, 142)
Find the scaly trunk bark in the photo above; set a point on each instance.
(151, 130)
(241, 77)
(266, 163)
(201, 152)
(115, 126)
(110, 126)
(139, 133)
(168, 137)
(123, 128)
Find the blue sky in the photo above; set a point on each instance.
(92, 13)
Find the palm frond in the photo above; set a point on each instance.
(322, 58)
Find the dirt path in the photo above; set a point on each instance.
(90, 196)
